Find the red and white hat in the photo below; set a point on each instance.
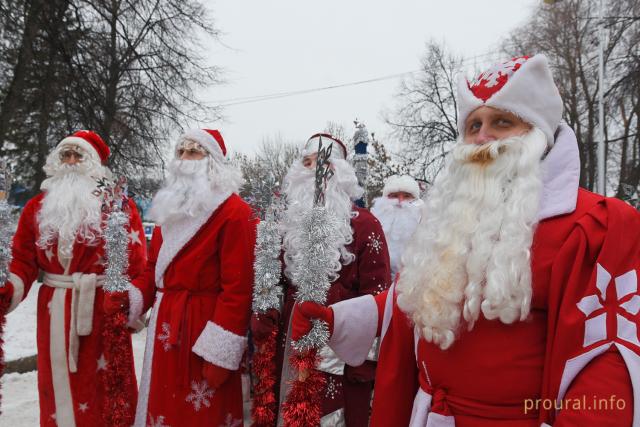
(523, 86)
(210, 139)
(90, 142)
(339, 150)
(404, 183)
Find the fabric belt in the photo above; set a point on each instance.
(180, 323)
(83, 295)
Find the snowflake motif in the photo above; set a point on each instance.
(375, 244)
(492, 75)
(83, 407)
(200, 395)
(157, 422)
(332, 391)
(229, 421)
(164, 336)
(379, 289)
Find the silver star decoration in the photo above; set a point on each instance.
(102, 363)
(134, 237)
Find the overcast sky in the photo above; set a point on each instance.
(278, 46)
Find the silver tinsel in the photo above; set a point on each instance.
(7, 227)
(316, 264)
(117, 252)
(267, 292)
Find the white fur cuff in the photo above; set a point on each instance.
(354, 328)
(18, 291)
(136, 303)
(218, 346)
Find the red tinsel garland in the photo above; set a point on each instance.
(119, 410)
(302, 408)
(4, 307)
(263, 411)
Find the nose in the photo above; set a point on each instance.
(483, 136)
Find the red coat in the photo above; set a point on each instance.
(198, 279)
(68, 395)
(368, 274)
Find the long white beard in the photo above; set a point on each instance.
(70, 212)
(399, 220)
(471, 252)
(341, 189)
(193, 188)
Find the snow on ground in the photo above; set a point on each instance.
(20, 331)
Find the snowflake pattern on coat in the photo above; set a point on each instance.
(163, 336)
(200, 395)
(374, 243)
(229, 421)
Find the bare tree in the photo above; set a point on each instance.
(425, 121)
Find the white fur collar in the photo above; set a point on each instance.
(560, 175)
(177, 234)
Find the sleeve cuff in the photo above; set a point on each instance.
(221, 347)
(18, 291)
(136, 304)
(354, 329)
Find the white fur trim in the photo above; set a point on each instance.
(136, 303)
(560, 176)
(420, 409)
(388, 311)
(396, 183)
(178, 234)
(58, 355)
(145, 381)
(82, 143)
(221, 347)
(354, 328)
(203, 138)
(530, 93)
(333, 419)
(330, 362)
(18, 291)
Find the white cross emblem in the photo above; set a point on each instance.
(597, 307)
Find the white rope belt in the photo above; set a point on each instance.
(83, 295)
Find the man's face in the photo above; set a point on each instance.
(310, 161)
(401, 196)
(486, 124)
(70, 156)
(191, 150)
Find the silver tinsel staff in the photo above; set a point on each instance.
(7, 226)
(116, 239)
(316, 260)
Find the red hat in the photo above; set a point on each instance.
(311, 146)
(90, 142)
(210, 139)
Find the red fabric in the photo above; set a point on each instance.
(96, 142)
(370, 273)
(215, 375)
(491, 81)
(306, 311)
(485, 377)
(208, 280)
(263, 324)
(218, 137)
(115, 302)
(28, 261)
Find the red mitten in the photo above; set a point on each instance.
(115, 302)
(264, 323)
(303, 313)
(6, 293)
(215, 375)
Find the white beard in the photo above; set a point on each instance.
(399, 220)
(193, 188)
(471, 252)
(70, 212)
(299, 185)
